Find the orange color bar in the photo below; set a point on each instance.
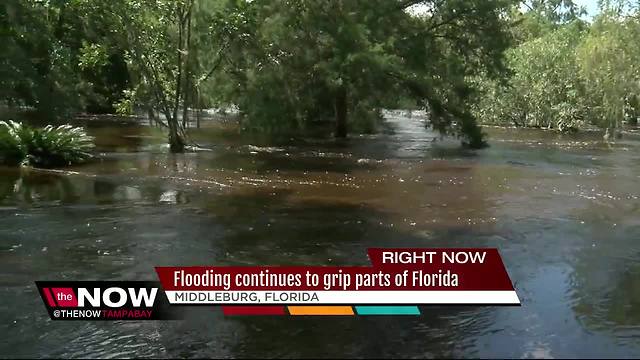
(320, 310)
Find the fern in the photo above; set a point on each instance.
(43, 147)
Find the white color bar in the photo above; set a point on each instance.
(342, 297)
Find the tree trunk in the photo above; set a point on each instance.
(185, 110)
(152, 117)
(178, 85)
(198, 108)
(187, 71)
(341, 113)
(176, 140)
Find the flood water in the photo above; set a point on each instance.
(564, 211)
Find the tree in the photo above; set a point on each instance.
(297, 62)
(152, 37)
(543, 87)
(50, 61)
(544, 90)
(154, 32)
(38, 67)
(610, 64)
(565, 72)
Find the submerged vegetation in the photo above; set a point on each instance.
(47, 147)
(295, 64)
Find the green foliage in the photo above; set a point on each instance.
(47, 147)
(553, 12)
(366, 119)
(294, 60)
(170, 48)
(50, 60)
(291, 65)
(13, 140)
(565, 74)
(610, 66)
(544, 90)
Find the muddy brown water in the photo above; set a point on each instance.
(564, 212)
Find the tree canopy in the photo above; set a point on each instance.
(295, 64)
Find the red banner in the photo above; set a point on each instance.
(392, 269)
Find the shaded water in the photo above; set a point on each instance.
(564, 212)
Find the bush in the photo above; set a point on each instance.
(46, 147)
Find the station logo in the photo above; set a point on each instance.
(106, 300)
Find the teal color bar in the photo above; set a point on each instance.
(387, 310)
